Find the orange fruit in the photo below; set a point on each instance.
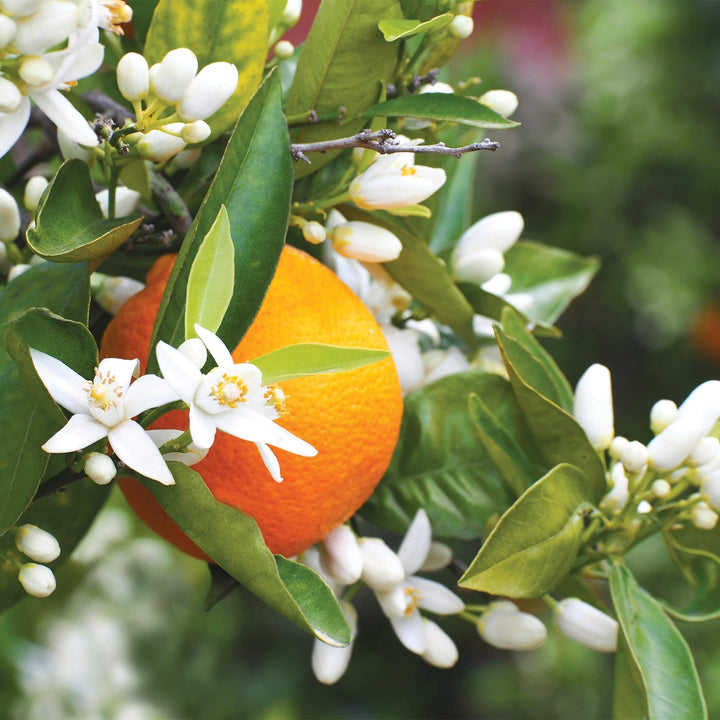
(352, 418)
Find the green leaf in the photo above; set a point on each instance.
(533, 546)
(440, 107)
(233, 540)
(136, 176)
(551, 276)
(303, 359)
(26, 423)
(234, 31)
(211, 278)
(401, 28)
(628, 692)
(507, 454)
(455, 203)
(663, 660)
(439, 464)
(69, 225)
(254, 182)
(333, 71)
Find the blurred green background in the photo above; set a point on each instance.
(618, 156)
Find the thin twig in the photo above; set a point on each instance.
(385, 142)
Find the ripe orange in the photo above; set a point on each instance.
(352, 418)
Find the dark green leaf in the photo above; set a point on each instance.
(233, 540)
(455, 203)
(533, 546)
(629, 699)
(664, 663)
(401, 28)
(439, 463)
(441, 107)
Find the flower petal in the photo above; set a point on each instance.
(415, 546)
(410, 631)
(12, 125)
(202, 427)
(136, 449)
(271, 462)
(62, 112)
(182, 374)
(65, 386)
(435, 597)
(215, 345)
(148, 391)
(81, 430)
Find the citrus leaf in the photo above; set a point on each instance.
(440, 107)
(254, 182)
(332, 70)
(398, 28)
(663, 660)
(234, 31)
(233, 540)
(69, 225)
(211, 278)
(629, 700)
(534, 544)
(304, 359)
(440, 466)
(455, 201)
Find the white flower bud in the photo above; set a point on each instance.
(593, 408)
(39, 545)
(196, 132)
(503, 102)
(291, 13)
(703, 404)
(440, 651)
(711, 489)
(617, 498)
(382, 569)
(209, 91)
(159, 145)
(461, 27)
(314, 232)
(100, 468)
(133, 77)
(662, 413)
(10, 96)
(188, 157)
(618, 444)
(34, 188)
(504, 626)
(195, 351)
(21, 8)
(586, 624)
(644, 508)
(9, 217)
(478, 267)
(173, 75)
(37, 580)
(340, 556)
(7, 30)
(329, 663)
(661, 488)
(706, 451)
(406, 355)
(284, 50)
(497, 231)
(673, 444)
(634, 457)
(126, 201)
(114, 292)
(702, 517)
(36, 71)
(439, 557)
(365, 242)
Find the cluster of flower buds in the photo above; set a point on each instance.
(343, 559)
(680, 465)
(41, 547)
(172, 100)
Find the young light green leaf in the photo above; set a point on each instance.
(533, 546)
(663, 660)
(304, 359)
(399, 28)
(440, 466)
(629, 699)
(211, 278)
(233, 540)
(441, 107)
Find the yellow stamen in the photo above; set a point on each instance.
(230, 391)
(276, 397)
(413, 598)
(407, 170)
(98, 389)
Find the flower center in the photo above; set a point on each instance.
(113, 14)
(276, 397)
(230, 391)
(104, 391)
(412, 597)
(407, 170)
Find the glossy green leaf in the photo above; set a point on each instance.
(439, 463)
(254, 182)
(551, 276)
(69, 225)
(399, 28)
(211, 278)
(503, 449)
(233, 540)
(441, 107)
(333, 71)
(629, 699)
(275, 10)
(234, 31)
(533, 546)
(136, 176)
(303, 359)
(26, 423)
(482, 302)
(663, 660)
(455, 203)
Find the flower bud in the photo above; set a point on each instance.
(644, 508)
(661, 488)
(617, 498)
(662, 413)
(593, 407)
(341, 557)
(37, 580)
(211, 88)
(365, 242)
(461, 27)
(618, 444)
(497, 231)
(504, 626)
(291, 13)
(329, 663)
(586, 624)
(711, 489)
(159, 145)
(284, 50)
(195, 351)
(133, 77)
(36, 71)
(670, 448)
(9, 217)
(7, 30)
(440, 651)
(173, 75)
(403, 344)
(703, 404)
(478, 267)
(439, 557)
(10, 96)
(706, 451)
(196, 132)
(503, 102)
(314, 232)
(126, 201)
(382, 569)
(441, 363)
(634, 457)
(39, 545)
(100, 468)
(113, 292)
(34, 188)
(188, 157)
(702, 517)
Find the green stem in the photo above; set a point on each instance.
(112, 188)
